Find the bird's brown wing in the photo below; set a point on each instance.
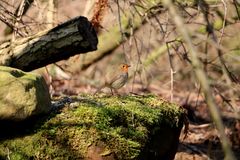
(107, 84)
(116, 77)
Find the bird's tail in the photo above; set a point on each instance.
(100, 88)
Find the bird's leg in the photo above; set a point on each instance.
(115, 90)
(111, 91)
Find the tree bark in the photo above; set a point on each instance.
(68, 39)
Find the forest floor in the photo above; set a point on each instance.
(202, 142)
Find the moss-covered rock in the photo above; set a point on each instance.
(102, 127)
(22, 94)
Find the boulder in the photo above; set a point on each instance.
(101, 127)
(22, 94)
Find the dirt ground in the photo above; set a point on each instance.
(202, 141)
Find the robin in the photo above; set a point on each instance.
(118, 81)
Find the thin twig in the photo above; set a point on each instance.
(171, 71)
(121, 29)
(224, 21)
(51, 88)
(138, 61)
(19, 15)
(236, 7)
(8, 154)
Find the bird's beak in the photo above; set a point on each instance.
(129, 65)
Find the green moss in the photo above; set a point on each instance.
(123, 124)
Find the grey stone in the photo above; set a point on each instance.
(22, 94)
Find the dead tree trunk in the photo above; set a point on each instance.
(68, 39)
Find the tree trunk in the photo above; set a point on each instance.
(68, 39)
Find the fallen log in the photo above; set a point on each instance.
(68, 39)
